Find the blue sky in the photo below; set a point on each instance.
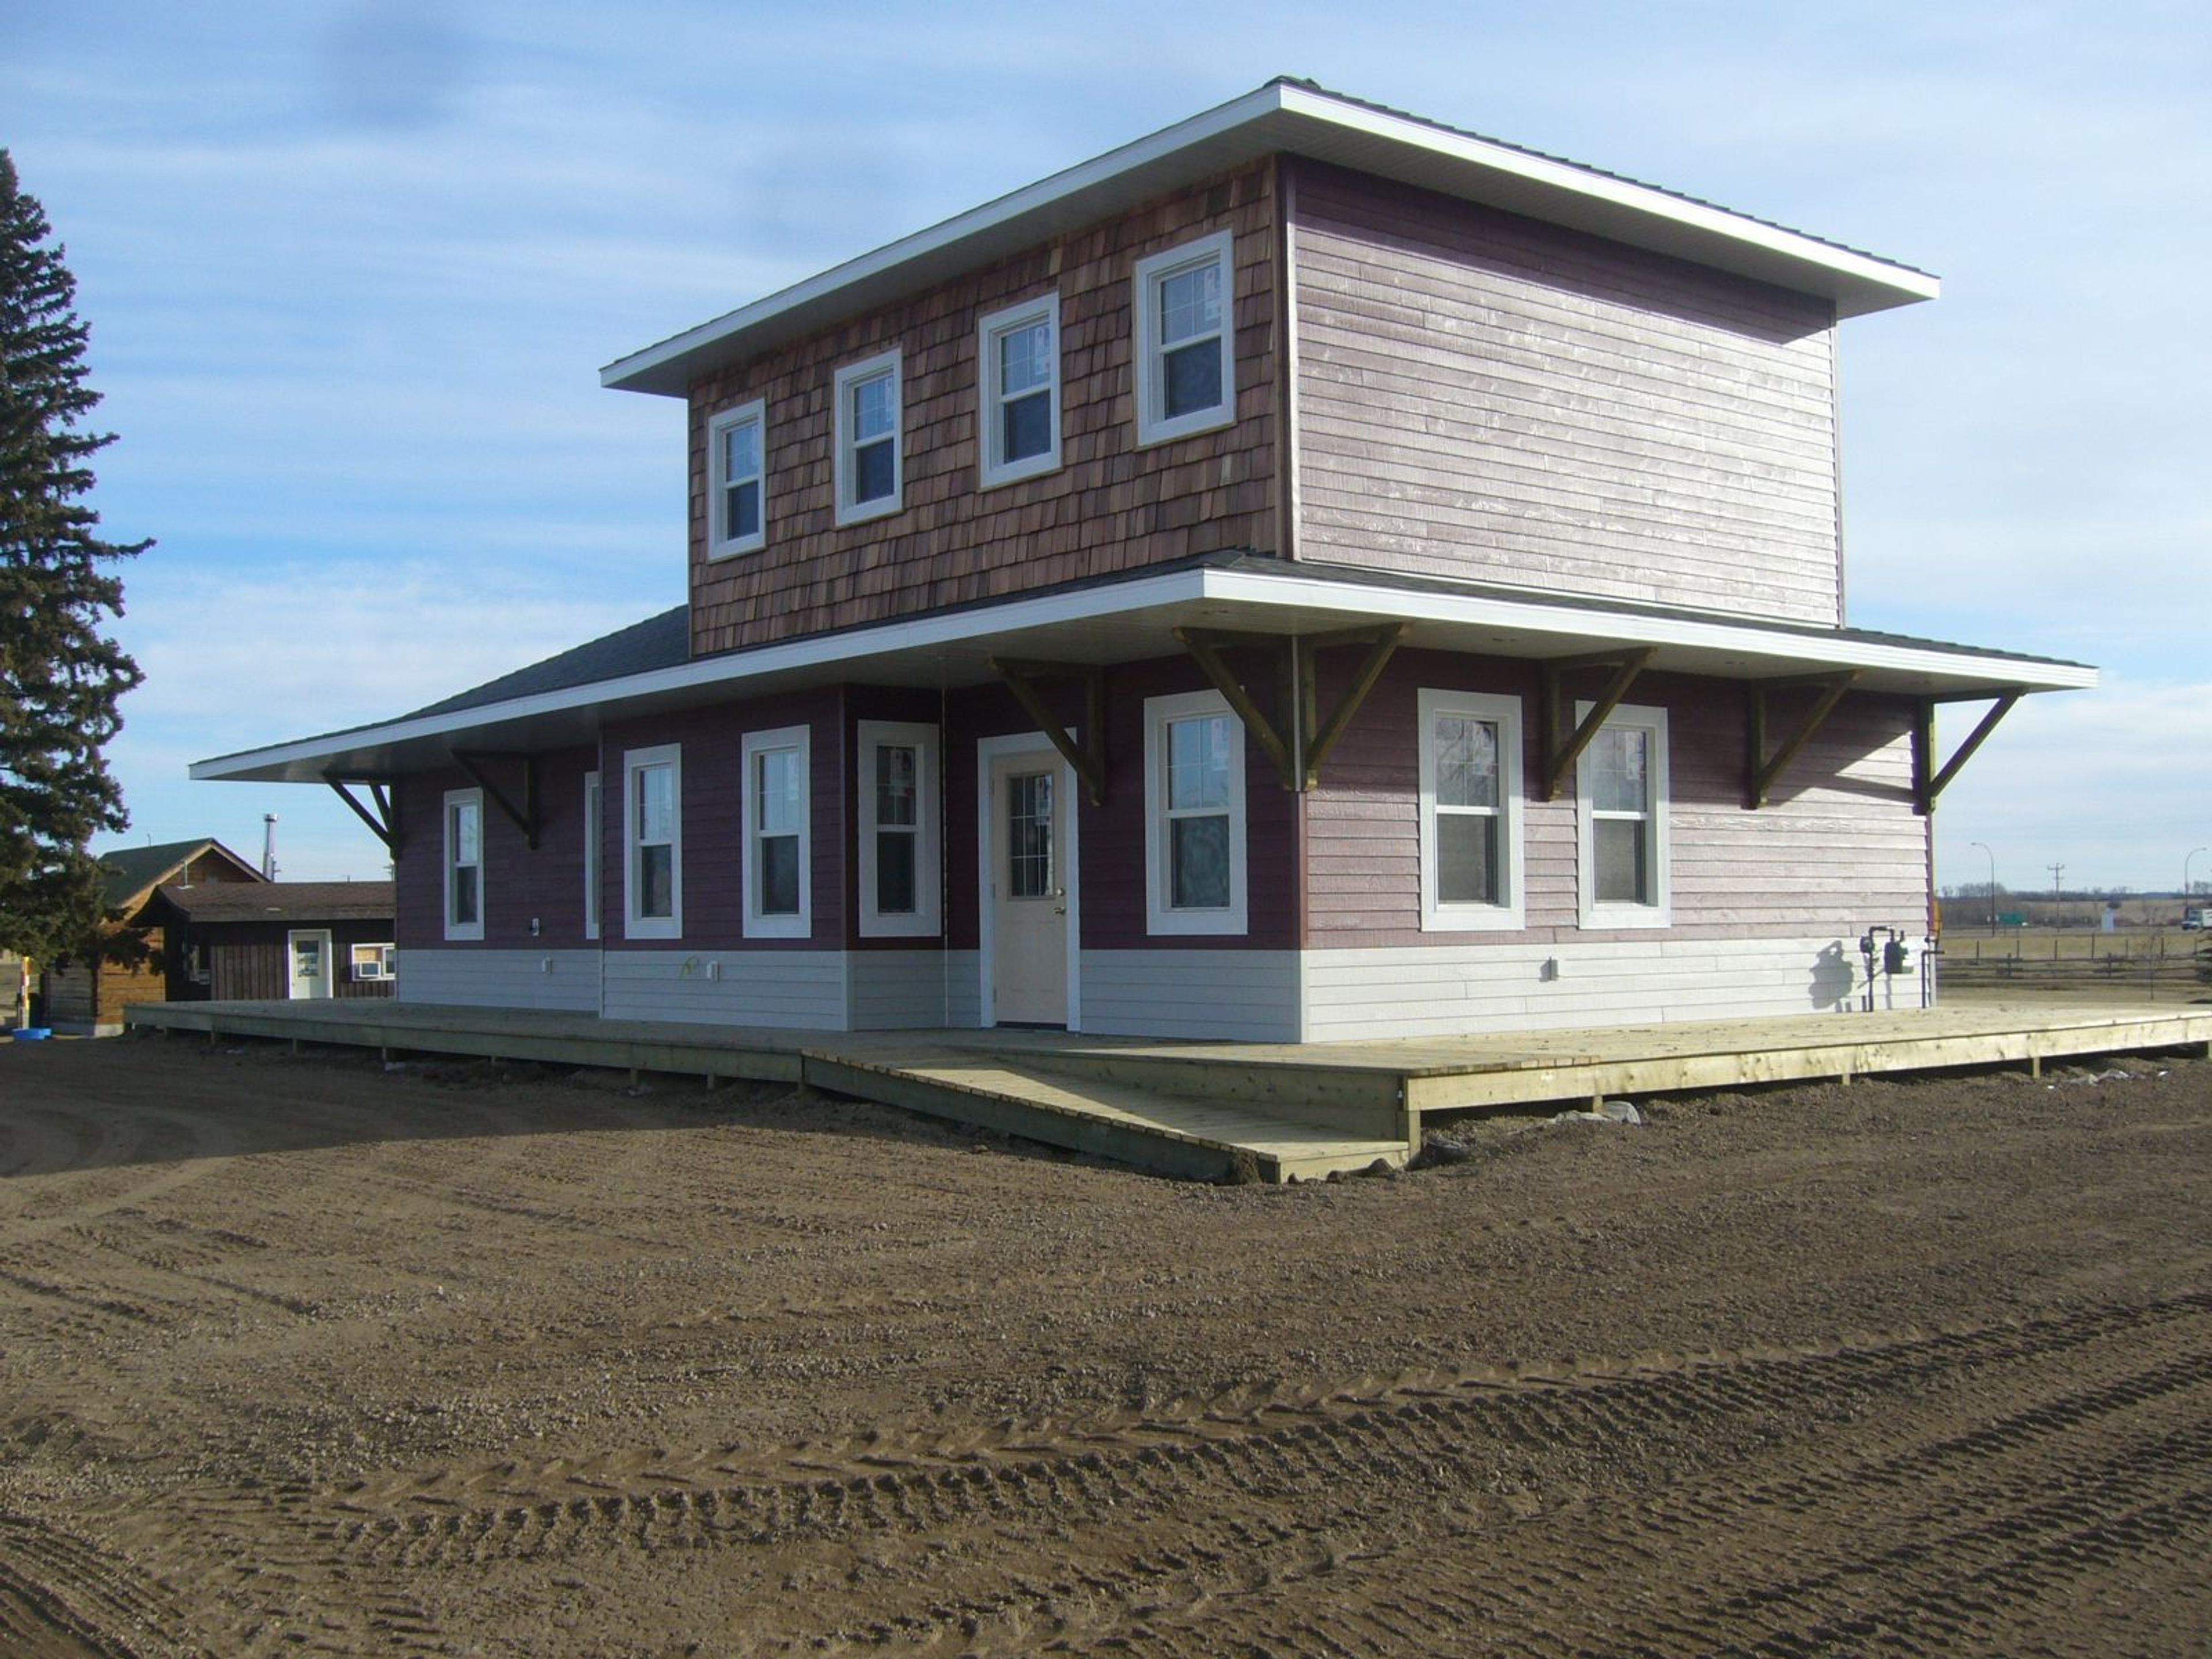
(352, 267)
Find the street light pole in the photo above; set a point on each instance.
(1992, 858)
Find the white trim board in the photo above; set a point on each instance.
(1486, 624)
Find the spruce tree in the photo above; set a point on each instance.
(60, 674)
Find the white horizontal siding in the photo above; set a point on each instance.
(964, 985)
(1232, 995)
(564, 979)
(898, 990)
(1439, 991)
(795, 989)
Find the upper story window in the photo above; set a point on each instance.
(652, 842)
(1470, 810)
(871, 475)
(776, 856)
(1186, 340)
(737, 485)
(1193, 815)
(1018, 383)
(899, 878)
(1620, 805)
(464, 864)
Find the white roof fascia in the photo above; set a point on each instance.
(1301, 120)
(1789, 651)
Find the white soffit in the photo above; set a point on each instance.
(1306, 121)
(1126, 621)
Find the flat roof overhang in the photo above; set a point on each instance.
(1134, 618)
(1298, 120)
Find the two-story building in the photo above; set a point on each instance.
(1309, 573)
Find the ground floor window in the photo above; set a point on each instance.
(899, 882)
(371, 962)
(776, 862)
(1470, 805)
(652, 842)
(1620, 800)
(1193, 815)
(464, 864)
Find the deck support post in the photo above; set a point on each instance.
(1087, 757)
(1564, 740)
(1929, 782)
(525, 816)
(1761, 773)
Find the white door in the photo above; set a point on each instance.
(1031, 875)
(309, 953)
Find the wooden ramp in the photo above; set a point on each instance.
(1211, 1111)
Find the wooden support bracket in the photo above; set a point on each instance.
(1088, 757)
(1298, 752)
(1927, 781)
(524, 817)
(1564, 742)
(381, 821)
(1762, 772)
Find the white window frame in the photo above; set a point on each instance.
(755, 744)
(1153, 425)
(595, 810)
(1660, 912)
(928, 880)
(1509, 910)
(455, 799)
(635, 925)
(1160, 916)
(720, 546)
(849, 510)
(992, 470)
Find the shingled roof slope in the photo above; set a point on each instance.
(282, 900)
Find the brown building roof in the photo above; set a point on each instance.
(282, 900)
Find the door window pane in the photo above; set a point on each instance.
(1029, 835)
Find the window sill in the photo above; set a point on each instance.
(868, 513)
(1152, 434)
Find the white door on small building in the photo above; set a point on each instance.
(308, 950)
(1028, 880)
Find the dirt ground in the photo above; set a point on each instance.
(305, 1355)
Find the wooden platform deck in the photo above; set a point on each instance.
(1276, 1112)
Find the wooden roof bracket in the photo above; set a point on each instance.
(525, 816)
(381, 821)
(1087, 757)
(1205, 646)
(1762, 773)
(1564, 742)
(1927, 783)
(1382, 644)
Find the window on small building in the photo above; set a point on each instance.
(1193, 815)
(778, 901)
(1018, 383)
(652, 842)
(870, 480)
(1186, 340)
(593, 808)
(371, 962)
(737, 492)
(1470, 810)
(1620, 800)
(898, 875)
(464, 895)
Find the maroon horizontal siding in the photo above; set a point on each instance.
(1110, 836)
(1838, 846)
(521, 884)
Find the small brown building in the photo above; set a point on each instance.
(275, 939)
(89, 997)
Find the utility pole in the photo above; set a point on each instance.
(2057, 916)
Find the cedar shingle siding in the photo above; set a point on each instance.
(1110, 507)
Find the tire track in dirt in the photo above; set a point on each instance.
(62, 1599)
(1395, 1484)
